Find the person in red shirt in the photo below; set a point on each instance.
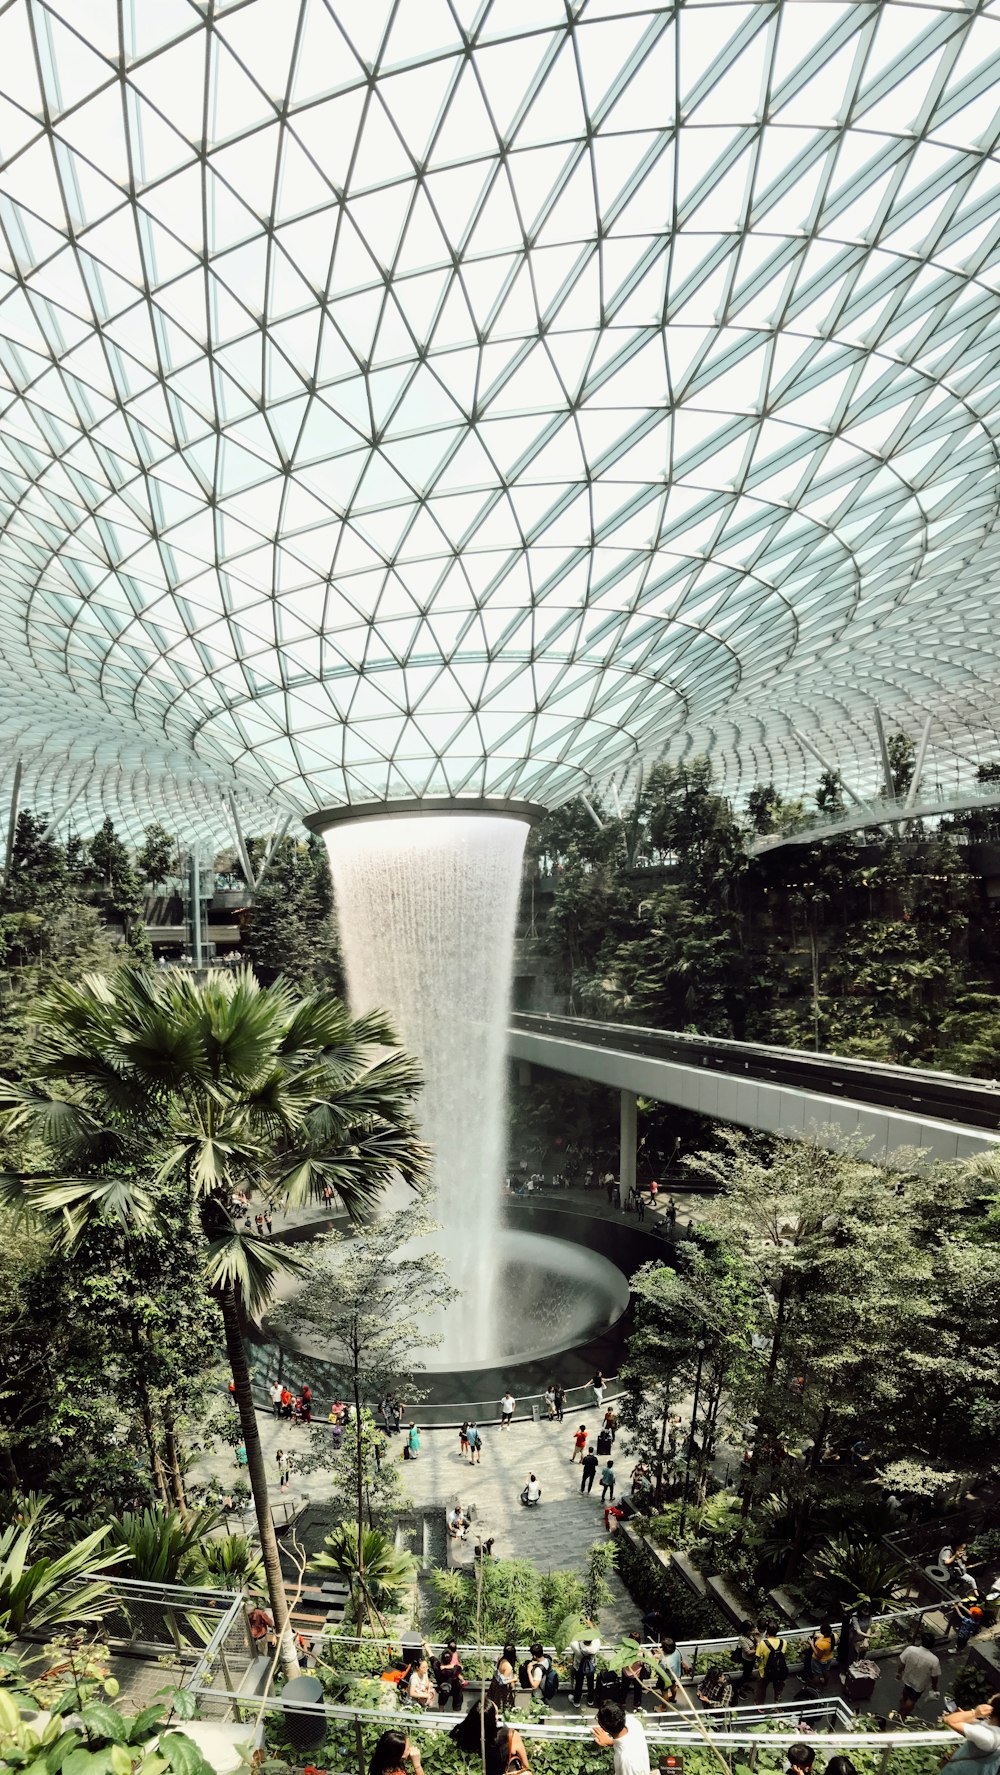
(307, 1405)
(579, 1444)
(286, 1403)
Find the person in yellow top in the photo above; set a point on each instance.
(772, 1664)
(820, 1655)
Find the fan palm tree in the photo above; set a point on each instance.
(378, 1580)
(40, 1590)
(147, 1081)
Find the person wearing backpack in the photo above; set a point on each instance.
(475, 1446)
(583, 1655)
(534, 1670)
(772, 1663)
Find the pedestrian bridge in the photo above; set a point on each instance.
(782, 1090)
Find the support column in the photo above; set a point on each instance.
(196, 949)
(626, 1162)
(15, 796)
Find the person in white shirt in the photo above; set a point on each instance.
(918, 1670)
(980, 1728)
(623, 1734)
(508, 1406)
(583, 1658)
(276, 1392)
(458, 1526)
(532, 1492)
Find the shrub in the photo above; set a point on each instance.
(651, 1585)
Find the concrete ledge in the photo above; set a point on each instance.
(686, 1569)
(727, 1598)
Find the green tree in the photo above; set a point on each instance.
(121, 885)
(371, 1301)
(696, 1320)
(290, 931)
(157, 856)
(827, 1242)
(211, 1086)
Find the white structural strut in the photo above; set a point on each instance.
(753, 1103)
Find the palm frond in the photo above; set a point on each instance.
(251, 1267)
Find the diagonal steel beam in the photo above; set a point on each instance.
(272, 849)
(241, 842)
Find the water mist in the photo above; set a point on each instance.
(427, 906)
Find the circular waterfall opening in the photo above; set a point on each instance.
(549, 1294)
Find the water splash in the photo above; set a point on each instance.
(427, 906)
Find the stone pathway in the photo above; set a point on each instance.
(556, 1536)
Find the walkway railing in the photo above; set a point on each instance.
(678, 1729)
(448, 1416)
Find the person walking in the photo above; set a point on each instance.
(820, 1653)
(611, 1422)
(451, 1681)
(672, 1668)
(583, 1660)
(624, 1736)
(413, 1442)
(919, 1671)
(579, 1444)
(597, 1387)
(560, 1397)
(508, 1406)
(671, 1212)
(772, 1663)
(268, 1222)
(746, 1646)
(503, 1683)
(608, 1482)
(590, 1465)
(475, 1446)
(463, 1438)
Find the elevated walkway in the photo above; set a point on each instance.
(781, 1090)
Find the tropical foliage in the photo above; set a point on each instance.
(148, 1087)
(40, 1589)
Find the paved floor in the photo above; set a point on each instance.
(556, 1536)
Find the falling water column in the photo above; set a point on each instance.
(426, 903)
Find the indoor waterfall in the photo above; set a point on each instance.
(426, 906)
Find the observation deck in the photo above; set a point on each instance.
(781, 1090)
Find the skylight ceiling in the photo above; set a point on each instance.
(438, 397)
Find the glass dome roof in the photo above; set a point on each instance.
(476, 397)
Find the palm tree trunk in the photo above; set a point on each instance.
(236, 1352)
(152, 1449)
(171, 1447)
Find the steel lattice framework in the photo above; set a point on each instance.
(475, 397)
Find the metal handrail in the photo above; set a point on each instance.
(657, 1730)
(695, 1646)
